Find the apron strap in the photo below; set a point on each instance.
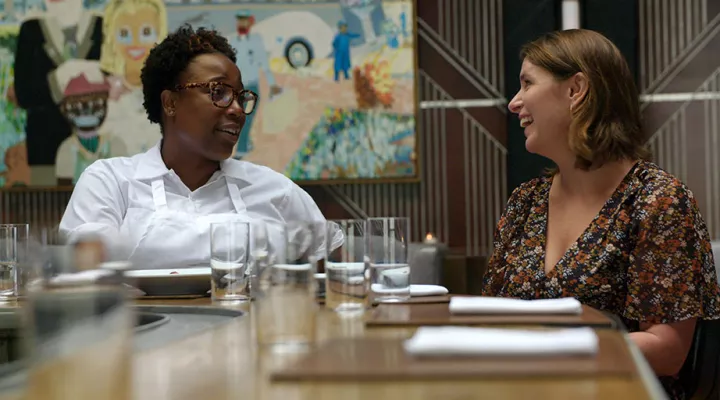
(158, 192)
(237, 201)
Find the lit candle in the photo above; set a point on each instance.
(430, 239)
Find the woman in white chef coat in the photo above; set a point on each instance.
(161, 202)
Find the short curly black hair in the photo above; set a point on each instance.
(171, 57)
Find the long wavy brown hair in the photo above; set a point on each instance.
(606, 123)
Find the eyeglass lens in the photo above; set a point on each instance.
(223, 96)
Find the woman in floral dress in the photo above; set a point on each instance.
(607, 226)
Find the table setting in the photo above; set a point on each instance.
(353, 314)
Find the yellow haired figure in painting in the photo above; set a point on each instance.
(131, 28)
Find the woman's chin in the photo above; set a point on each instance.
(530, 144)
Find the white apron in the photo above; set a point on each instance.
(178, 239)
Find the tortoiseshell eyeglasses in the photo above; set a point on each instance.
(222, 95)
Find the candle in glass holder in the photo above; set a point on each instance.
(427, 266)
(430, 239)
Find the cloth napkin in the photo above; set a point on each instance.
(415, 290)
(427, 290)
(503, 305)
(471, 341)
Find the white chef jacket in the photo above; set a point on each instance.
(162, 224)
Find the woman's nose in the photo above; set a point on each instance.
(235, 109)
(515, 104)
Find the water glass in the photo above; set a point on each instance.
(8, 263)
(24, 256)
(285, 309)
(229, 248)
(346, 289)
(79, 326)
(260, 252)
(387, 257)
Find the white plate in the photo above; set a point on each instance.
(171, 282)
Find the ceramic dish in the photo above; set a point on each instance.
(171, 282)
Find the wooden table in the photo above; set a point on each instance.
(224, 363)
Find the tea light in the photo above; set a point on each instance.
(430, 239)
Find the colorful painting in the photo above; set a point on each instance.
(336, 81)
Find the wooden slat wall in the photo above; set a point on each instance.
(463, 150)
(42, 208)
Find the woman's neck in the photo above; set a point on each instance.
(192, 169)
(572, 181)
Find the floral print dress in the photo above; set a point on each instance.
(646, 257)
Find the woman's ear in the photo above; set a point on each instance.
(579, 86)
(168, 100)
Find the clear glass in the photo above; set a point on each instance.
(285, 308)
(23, 256)
(346, 288)
(79, 326)
(8, 263)
(387, 256)
(259, 252)
(229, 251)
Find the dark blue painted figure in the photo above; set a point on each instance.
(341, 50)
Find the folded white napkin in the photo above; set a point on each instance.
(502, 305)
(427, 290)
(470, 341)
(415, 290)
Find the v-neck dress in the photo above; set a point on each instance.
(646, 257)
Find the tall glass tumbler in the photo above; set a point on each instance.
(259, 255)
(229, 251)
(24, 256)
(8, 263)
(285, 310)
(79, 331)
(346, 289)
(387, 256)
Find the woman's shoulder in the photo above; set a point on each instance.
(255, 174)
(656, 184)
(530, 189)
(122, 165)
(523, 198)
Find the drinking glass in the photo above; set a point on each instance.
(79, 325)
(387, 256)
(23, 256)
(260, 252)
(285, 309)
(229, 248)
(8, 263)
(346, 289)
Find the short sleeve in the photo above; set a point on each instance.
(671, 274)
(494, 278)
(97, 205)
(299, 206)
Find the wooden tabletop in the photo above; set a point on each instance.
(225, 363)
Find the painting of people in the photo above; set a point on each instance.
(336, 81)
